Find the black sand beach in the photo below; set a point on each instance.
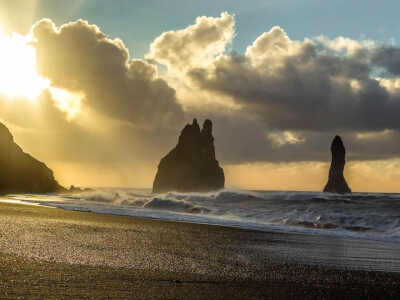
(50, 253)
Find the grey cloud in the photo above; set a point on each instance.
(302, 88)
(280, 84)
(388, 58)
(314, 89)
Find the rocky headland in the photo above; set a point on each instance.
(20, 172)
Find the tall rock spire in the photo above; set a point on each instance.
(191, 166)
(336, 181)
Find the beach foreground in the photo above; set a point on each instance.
(49, 253)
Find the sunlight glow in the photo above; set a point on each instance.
(18, 72)
(19, 77)
(67, 102)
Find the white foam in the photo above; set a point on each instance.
(360, 215)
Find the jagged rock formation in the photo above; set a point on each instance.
(336, 182)
(20, 172)
(191, 166)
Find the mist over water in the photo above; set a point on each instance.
(359, 215)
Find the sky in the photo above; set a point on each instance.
(99, 90)
(138, 23)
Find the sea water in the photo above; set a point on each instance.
(369, 216)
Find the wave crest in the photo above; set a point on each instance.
(359, 214)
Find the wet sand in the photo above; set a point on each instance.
(48, 253)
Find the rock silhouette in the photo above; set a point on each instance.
(336, 181)
(20, 172)
(191, 166)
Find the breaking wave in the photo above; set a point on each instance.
(359, 215)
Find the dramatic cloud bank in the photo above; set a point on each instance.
(303, 86)
(281, 101)
(291, 97)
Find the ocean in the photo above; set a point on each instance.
(369, 216)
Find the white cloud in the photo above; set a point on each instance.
(196, 45)
(346, 45)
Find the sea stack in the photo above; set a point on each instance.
(336, 182)
(191, 166)
(20, 172)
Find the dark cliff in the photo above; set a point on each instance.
(191, 166)
(20, 172)
(336, 181)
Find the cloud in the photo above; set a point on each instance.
(345, 45)
(284, 100)
(293, 85)
(388, 57)
(288, 97)
(79, 57)
(195, 45)
(281, 101)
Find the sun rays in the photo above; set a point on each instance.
(19, 76)
(18, 72)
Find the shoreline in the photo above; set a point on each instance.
(308, 228)
(47, 253)
(291, 238)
